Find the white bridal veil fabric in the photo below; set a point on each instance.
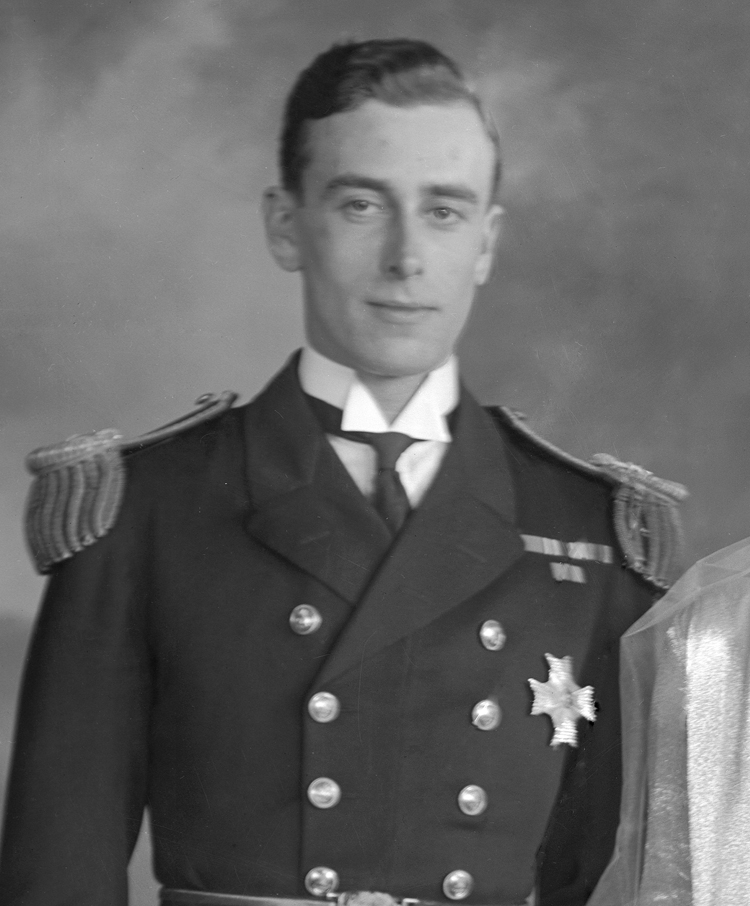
(684, 835)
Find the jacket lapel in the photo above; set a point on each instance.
(461, 538)
(304, 504)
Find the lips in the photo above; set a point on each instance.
(399, 303)
(395, 312)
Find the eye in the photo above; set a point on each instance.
(445, 215)
(361, 207)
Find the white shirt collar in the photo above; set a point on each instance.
(423, 417)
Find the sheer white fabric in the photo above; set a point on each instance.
(684, 835)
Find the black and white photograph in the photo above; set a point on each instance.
(374, 453)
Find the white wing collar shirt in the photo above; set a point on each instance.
(424, 417)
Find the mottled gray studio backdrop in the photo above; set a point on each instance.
(136, 137)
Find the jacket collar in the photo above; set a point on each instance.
(304, 504)
(305, 507)
(460, 539)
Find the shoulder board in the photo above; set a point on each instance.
(516, 420)
(646, 508)
(78, 484)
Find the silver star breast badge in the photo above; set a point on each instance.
(563, 700)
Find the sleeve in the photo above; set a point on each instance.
(77, 785)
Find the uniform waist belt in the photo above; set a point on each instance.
(173, 897)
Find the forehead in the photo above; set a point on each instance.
(404, 146)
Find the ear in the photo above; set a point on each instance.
(279, 208)
(490, 237)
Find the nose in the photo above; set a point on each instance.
(403, 255)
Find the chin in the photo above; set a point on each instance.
(405, 362)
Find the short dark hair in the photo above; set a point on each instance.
(397, 71)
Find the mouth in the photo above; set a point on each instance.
(397, 312)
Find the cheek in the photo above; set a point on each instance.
(343, 258)
(457, 267)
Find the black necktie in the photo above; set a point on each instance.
(390, 497)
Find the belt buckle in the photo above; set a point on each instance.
(370, 898)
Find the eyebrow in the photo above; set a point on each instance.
(453, 190)
(355, 181)
(458, 191)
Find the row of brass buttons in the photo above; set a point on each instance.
(321, 880)
(324, 707)
(324, 792)
(306, 619)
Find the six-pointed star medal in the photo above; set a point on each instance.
(563, 700)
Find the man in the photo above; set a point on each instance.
(305, 640)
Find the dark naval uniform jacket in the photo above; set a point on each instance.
(249, 655)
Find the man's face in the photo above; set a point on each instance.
(393, 231)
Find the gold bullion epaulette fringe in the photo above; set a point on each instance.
(646, 508)
(78, 484)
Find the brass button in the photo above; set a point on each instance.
(321, 880)
(492, 635)
(324, 792)
(324, 707)
(472, 800)
(486, 715)
(305, 619)
(458, 885)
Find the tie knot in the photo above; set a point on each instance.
(389, 446)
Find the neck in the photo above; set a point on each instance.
(391, 393)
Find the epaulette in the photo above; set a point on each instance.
(645, 511)
(79, 483)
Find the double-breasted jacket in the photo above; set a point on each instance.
(251, 656)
